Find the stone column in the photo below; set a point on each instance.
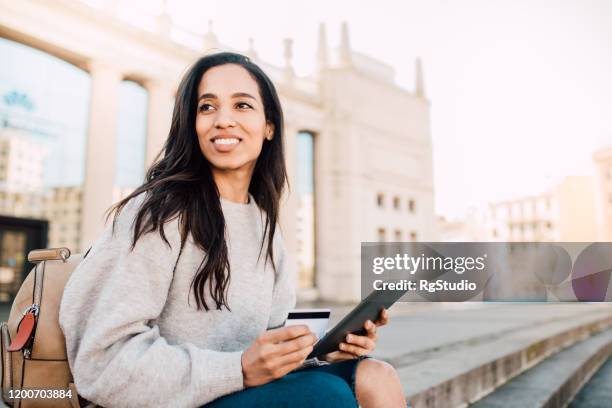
(159, 116)
(288, 212)
(288, 215)
(100, 151)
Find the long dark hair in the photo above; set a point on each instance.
(180, 184)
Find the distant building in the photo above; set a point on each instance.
(565, 213)
(21, 174)
(23, 205)
(21, 162)
(603, 180)
(470, 229)
(63, 210)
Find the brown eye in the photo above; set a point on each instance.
(243, 105)
(205, 107)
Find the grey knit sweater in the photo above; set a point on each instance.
(133, 337)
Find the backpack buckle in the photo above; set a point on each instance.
(25, 329)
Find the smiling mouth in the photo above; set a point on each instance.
(226, 141)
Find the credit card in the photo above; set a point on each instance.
(315, 319)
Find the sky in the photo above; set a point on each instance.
(520, 91)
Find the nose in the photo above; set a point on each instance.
(224, 119)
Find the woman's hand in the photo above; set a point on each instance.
(275, 353)
(355, 345)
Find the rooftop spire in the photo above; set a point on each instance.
(345, 46)
(288, 54)
(419, 84)
(251, 53)
(210, 39)
(322, 47)
(164, 20)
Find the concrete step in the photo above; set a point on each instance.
(555, 381)
(498, 344)
(597, 393)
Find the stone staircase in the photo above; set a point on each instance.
(555, 381)
(501, 355)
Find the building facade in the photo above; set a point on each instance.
(372, 151)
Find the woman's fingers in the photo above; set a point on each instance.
(355, 350)
(383, 318)
(295, 357)
(356, 345)
(360, 345)
(279, 366)
(370, 329)
(284, 333)
(365, 342)
(299, 343)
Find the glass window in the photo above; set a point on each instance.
(411, 205)
(12, 258)
(306, 209)
(382, 235)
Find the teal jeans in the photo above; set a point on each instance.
(327, 386)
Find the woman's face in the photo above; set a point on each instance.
(230, 120)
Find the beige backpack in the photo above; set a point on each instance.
(35, 370)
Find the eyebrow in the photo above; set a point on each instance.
(236, 95)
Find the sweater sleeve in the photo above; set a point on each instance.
(117, 356)
(283, 298)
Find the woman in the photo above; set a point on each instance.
(180, 303)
